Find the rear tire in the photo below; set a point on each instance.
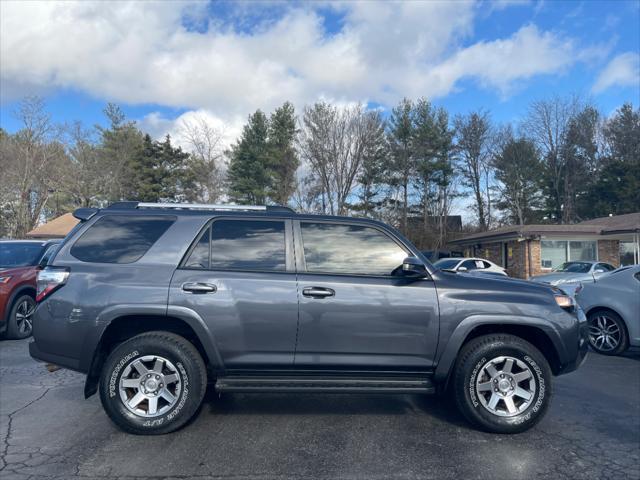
(502, 383)
(607, 333)
(153, 383)
(21, 317)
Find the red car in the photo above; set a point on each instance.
(20, 261)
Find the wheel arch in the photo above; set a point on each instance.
(126, 326)
(538, 336)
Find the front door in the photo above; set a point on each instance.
(239, 277)
(356, 310)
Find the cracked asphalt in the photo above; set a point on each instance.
(48, 431)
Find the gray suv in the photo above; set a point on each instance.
(156, 301)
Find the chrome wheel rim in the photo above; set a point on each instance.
(150, 386)
(505, 386)
(24, 314)
(604, 333)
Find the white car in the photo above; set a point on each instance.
(470, 265)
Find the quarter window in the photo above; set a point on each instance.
(349, 249)
(248, 245)
(120, 238)
(199, 257)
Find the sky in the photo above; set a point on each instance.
(169, 62)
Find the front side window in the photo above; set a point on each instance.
(120, 238)
(248, 245)
(350, 250)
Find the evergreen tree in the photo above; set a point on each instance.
(401, 161)
(249, 174)
(282, 157)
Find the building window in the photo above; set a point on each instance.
(555, 252)
(627, 253)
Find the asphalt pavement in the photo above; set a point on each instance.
(47, 430)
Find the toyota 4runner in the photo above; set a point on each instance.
(156, 301)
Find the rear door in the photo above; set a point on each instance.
(240, 278)
(356, 312)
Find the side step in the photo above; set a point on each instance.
(312, 384)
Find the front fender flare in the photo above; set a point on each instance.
(450, 351)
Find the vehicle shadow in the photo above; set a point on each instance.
(438, 407)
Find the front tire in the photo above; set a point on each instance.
(153, 383)
(21, 318)
(502, 383)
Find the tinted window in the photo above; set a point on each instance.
(199, 257)
(20, 254)
(446, 264)
(120, 239)
(574, 267)
(606, 267)
(349, 249)
(248, 245)
(472, 264)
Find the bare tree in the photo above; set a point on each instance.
(335, 141)
(474, 146)
(205, 143)
(547, 123)
(32, 162)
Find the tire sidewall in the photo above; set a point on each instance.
(188, 401)
(472, 367)
(12, 328)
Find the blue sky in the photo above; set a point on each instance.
(168, 62)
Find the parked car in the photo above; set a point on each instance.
(153, 301)
(572, 272)
(612, 306)
(435, 255)
(19, 263)
(469, 265)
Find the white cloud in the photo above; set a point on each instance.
(140, 52)
(622, 71)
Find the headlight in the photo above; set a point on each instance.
(564, 301)
(4, 280)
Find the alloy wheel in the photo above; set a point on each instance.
(24, 314)
(604, 333)
(150, 386)
(505, 386)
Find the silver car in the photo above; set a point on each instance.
(573, 272)
(612, 306)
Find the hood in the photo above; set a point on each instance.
(557, 276)
(14, 270)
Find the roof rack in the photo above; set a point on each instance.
(201, 206)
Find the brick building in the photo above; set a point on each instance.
(527, 250)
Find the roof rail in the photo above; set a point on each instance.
(201, 206)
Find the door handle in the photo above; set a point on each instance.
(318, 292)
(195, 287)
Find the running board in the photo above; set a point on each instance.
(312, 384)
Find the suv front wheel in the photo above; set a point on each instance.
(502, 383)
(153, 383)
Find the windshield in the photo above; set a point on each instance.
(574, 267)
(19, 254)
(446, 264)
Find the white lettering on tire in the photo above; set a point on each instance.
(116, 371)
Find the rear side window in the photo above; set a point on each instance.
(241, 245)
(349, 249)
(120, 238)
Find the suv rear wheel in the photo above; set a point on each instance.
(153, 383)
(502, 383)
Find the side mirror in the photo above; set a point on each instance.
(463, 269)
(598, 271)
(412, 267)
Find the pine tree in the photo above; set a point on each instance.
(283, 159)
(249, 175)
